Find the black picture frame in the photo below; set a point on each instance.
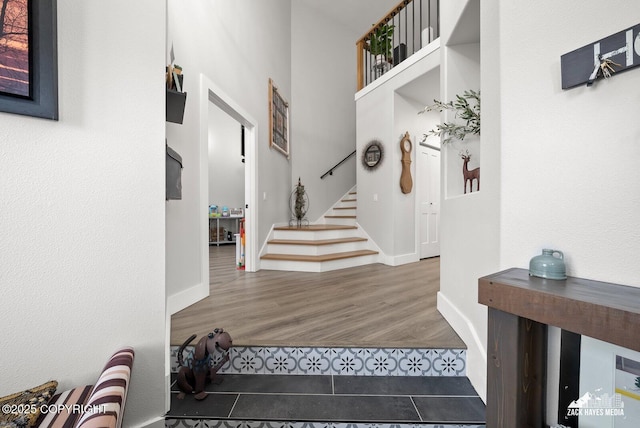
(43, 73)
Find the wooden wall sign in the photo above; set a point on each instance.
(603, 58)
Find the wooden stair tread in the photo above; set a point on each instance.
(353, 193)
(345, 208)
(348, 200)
(319, 258)
(315, 227)
(339, 216)
(316, 242)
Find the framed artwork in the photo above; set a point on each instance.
(28, 58)
(278, 121)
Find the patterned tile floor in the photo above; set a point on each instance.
(340, 361)
(327, 401)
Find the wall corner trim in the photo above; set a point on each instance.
(187, 297)
(476, 351)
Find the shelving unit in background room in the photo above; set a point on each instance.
(219, 236)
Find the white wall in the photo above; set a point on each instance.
(82, 218)
(568, 157)
(238, 45)
(386, 113)
(374, 121)
(469, 223)
(543, 162)
(405, 119)
(226, 169)
(323, 81)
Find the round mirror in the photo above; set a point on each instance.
(372, 155)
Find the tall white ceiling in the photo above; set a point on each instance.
(356, 14)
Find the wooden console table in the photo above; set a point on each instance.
(520, 308)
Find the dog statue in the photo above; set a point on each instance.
(210, 354)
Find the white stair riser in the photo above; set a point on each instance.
(350, 211)
(347, 204)
(296, 266)
(316, 250)
(313, 235)
(340, 221)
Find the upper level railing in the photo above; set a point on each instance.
(407, 27)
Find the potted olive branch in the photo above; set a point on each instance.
(466, 107)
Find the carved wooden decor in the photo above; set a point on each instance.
(406, 182)
(469, 176)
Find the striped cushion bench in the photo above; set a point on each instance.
(96, 406)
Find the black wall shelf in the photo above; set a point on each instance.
(175, 105)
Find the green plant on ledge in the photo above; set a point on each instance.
(466, 107)
(381, 41)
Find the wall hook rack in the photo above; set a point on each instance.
(601, 59)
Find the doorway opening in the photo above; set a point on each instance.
(226, 182)
(214, 101)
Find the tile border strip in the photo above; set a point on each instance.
(210, 423)
(339, 361)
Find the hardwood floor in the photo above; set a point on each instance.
(367, 306)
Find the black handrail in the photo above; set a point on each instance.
(330, 172)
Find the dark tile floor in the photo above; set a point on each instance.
(394, 399)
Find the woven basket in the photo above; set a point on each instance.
(25, 405)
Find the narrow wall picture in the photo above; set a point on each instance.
(14, 47)
(278, 120)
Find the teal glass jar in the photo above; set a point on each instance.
(550, 265)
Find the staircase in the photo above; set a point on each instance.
(337, 242)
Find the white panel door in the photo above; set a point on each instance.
(429, 201)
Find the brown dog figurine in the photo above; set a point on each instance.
(210, 354)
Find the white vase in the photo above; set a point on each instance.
(427, 36)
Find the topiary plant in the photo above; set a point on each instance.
(381, 41)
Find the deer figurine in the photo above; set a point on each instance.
(469, 175)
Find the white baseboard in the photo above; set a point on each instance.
(188, 297)
(476, 351)
(403, 259)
